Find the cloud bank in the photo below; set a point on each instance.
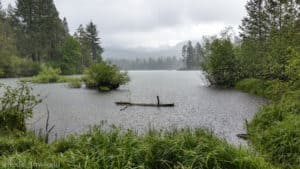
(151, 23)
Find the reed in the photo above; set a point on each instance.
(116, 148)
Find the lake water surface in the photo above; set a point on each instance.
(196, 105)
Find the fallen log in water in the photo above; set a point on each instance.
(243, 136)
(144, 104)
(158, 104)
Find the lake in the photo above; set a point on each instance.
(196, 105)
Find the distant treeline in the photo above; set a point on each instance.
(192, 55)
(161, 63)
(31, 34)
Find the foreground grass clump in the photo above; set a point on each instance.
(275, 130)
(12, 142)
(104, 77)
(16, 105)
(116, 149)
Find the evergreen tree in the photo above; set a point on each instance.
(254, 24)
(267, 32)
(94, 41)
(66, 26)
(70, 62)
(189, 55)
(85, 50)
(42, 30)
(283, 17)
(255, 31)
(8, 59)
(184, 55)
(32, 29)
(11, 18)
(2, 13)
(198, 55)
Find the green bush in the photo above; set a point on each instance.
(47, 75)
(9, 65)
(16, 105)
(52, 75)
(70, 62)
(113, 148)
(220, 63)
(18, 67)
(75, 83)
(104, 76)
(28, 68)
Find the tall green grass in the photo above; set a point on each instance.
(271, 89)
(275, 130)
(117, 149)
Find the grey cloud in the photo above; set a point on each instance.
(135, 15)
(151, 23)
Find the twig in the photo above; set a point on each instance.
(123, 109)
(48, 130)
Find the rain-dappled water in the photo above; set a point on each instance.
(196, 105)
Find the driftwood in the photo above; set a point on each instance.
(158, 104)
(243, 136)
(144, 104)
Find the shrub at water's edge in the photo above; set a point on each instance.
(16, 105)
(49, 74)
(274, 130)
(114, 148)
(104, 77)
(221, 64)
(75, 83)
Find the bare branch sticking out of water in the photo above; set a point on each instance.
(124, 108)
(48, 129)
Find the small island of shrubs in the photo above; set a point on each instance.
(102, 76)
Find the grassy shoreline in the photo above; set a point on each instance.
(98, 148)
(275, 129)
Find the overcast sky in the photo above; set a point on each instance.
(151, 23)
